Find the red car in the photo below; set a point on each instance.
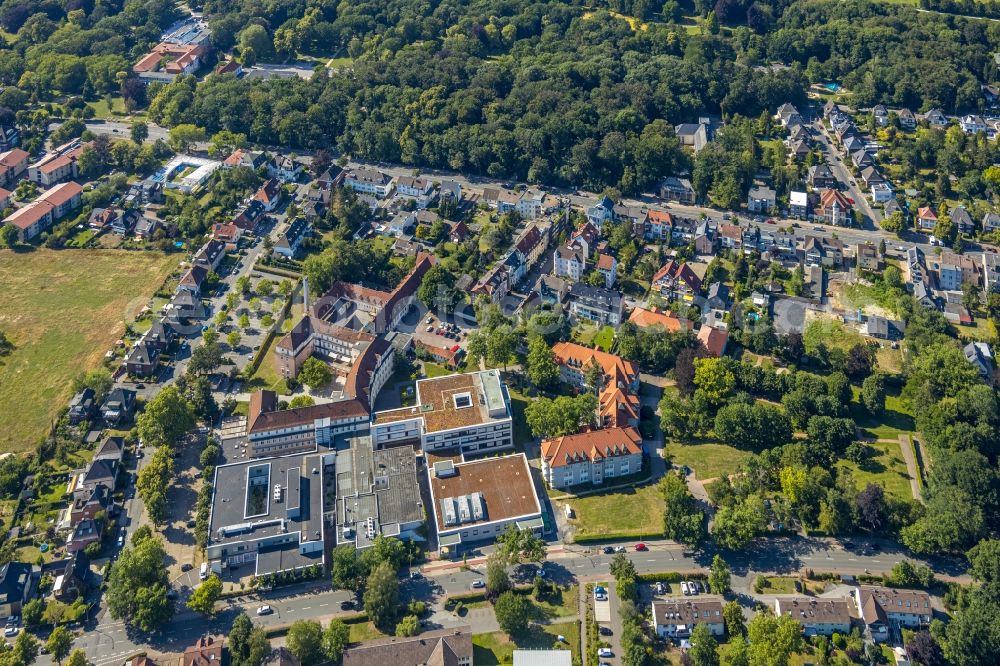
(641, 547)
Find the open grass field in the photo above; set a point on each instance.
(886, 468)
(629, 513)
(63, 310)
(498, 648)
(831, 332)
(708, 460)
(894, 421)
(103, 111)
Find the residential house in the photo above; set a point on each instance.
(316, 204)
(823, 251)
(955, 312)
(684, 230)
(854, 145)
(601, 212)
(269, 194)
(226, 233)
(161, 335)
(242, 157)
(760, 199)
(980, 355)
(926, 218)
(694, 135)
(231, 66)
(369, 181)
(530, 244)
(574, 360)
(991, 272)
(286, 168)
(250, 216)
(907, 120)
(604, 306)
(118, 406)
(551, 290)
(972, 124)
(72, 578)
(818, 616)
(442, 647)
(495, 284)
(88, 502)
(962, 220)
(82, 407)
(882, 193)
(798, 133)
(821, 177)
(84, 533)
(659, 226)
(676, 618)
(866, 257)
(10, 137)
(569, 261)
(677, 189)
(954, 270)
(798, 150)
(13, 164)
(704, 238)
(208, 651)
(788, 115)
(146, 226)
(633, 216)
(530, 205)
(58, 165)
(414, 188)
(210, 254)
(871, 176)
(608, 267)
(861, 159)
(882, 607)
(730, 236)
(716, 305)
(592, 457)
(291, 238)
(167, 60)
(830, 108)
(54, 204)
(936, 118)
(514, 264)
(714, 340)
(991, 222)
(798, 204)
(644, 318)
(17, 587)
(676, 281)
(750, 239)
(450, 189)
(883, 329)
(881, 115)
(459, 231)
(143, 360)
(834, 208)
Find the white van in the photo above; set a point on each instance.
(203, 574)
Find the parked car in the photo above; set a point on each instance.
(605, 631)
(685, 589)
(619, 549)
(478, 584)
(346, 605)
(187, 566)
(608, 550)
(640, 547)
(605, 652)
(264, 610)
(10, 631)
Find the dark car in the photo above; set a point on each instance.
(191, 524)
(346, 605)
(608, 550)
(606, 631)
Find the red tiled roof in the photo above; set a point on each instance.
(645, 318)
(714, 340)
(613, 365)
(831, 196)
(927, 213)
(61, 193)
(23, 218)
(591, 446)
(605, 262)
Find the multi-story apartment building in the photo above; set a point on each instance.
(369, 181)
(593, 457)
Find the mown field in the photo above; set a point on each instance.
(63, 310)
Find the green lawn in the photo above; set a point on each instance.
(339, 63)
(498, 648)
(363, 631)
(436, 370)
(103, 111)
(709, 460)
(605, 338)
(894, 421)
(518, 403)
(831, 332)
(622, 514)
(63, 310)
(567, 604)
(885, 468)
(778, 585)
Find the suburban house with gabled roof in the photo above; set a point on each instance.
(269, 194)
(291, 238)
(907, 120)
(676, 281)
(926, 218)
(570, 261)
(834, 208)
(818, 616)
(714, 340)
(143, 360)
(607, 266)
(820, 176)
(659, 225)
(117, 408)
(644, 318)
(17, 587)
(882, 607)
(443, 647)
(591, 457)
(604, 306)
(82, 407)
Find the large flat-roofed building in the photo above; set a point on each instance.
(268, 514)
(470, 412)
(377, 493)
(476, 500)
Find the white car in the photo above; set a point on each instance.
(10, 631)
(605, 652)
(478, 584)
(265, 610)
(685, 588)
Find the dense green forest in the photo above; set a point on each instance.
(546, 91)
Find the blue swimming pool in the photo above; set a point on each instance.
(832, 87)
